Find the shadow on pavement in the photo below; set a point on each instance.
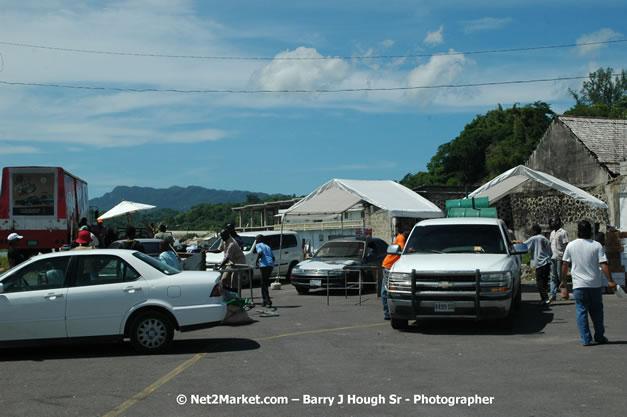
(530, 318)
(100, 350)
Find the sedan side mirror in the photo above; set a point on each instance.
(394, 250)
(1, 288)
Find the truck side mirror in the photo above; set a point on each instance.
(519, 249)
(394, 250)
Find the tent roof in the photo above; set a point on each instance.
(510, 180)
(337, 196)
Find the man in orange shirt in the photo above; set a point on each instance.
(389, 260)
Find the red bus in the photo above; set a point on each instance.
(43, 204)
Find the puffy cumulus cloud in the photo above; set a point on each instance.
(485, 23)
(435, 38)
(284, 73)
(602, 35)
(440, 70)
(388, 43)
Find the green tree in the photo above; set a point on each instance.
(601, 95)
(601, 88)
(490, 144)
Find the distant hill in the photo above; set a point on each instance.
(177, 198)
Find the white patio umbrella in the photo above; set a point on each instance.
(125, 207)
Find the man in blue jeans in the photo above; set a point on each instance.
(585, 255)
(265, 262)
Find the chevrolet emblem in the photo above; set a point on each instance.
(445, 284)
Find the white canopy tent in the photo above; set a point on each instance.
(337, 196)
(515, 177)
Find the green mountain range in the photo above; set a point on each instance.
(177, 198)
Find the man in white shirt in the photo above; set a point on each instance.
(585, 255)
(559, 240)
(540, 249)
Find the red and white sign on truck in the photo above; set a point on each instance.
(43, 204)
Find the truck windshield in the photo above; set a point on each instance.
(341, 250)
(459, 238)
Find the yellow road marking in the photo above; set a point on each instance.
(176, 371)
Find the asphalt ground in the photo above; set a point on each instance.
(311, 353)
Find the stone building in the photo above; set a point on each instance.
(589, 153)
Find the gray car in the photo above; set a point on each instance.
(339, 263)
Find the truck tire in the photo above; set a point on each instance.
(518, 299)
(399, 324)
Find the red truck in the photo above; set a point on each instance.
(43, 204)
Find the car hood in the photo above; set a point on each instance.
(452, 262)
(331, 264)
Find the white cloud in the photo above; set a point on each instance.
(388, 43)
(602, 35)
(486, 23)
(300, 74)
(435, 38)
(440, 70)
(6, 149)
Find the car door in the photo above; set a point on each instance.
(106, 287)
(33, 299)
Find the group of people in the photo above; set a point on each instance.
(585, 257)
(232, 245)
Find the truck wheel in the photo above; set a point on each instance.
(302, 290)
(151, 332)
(399, 324)
(518, 299)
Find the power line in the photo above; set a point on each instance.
(341, 90)
(140, 54)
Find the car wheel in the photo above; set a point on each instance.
(399, 324)
(302, 290)
(151, 332)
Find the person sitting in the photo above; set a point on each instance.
(130, 242)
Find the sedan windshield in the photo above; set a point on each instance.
(157, 264)
(341, 250)
(475, 238)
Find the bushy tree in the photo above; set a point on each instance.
(490, 144)
(603, 95)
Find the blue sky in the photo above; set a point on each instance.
(276, 142)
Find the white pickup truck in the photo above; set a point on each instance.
(461, 268)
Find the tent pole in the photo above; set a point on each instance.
(278, 270)
(342, 223)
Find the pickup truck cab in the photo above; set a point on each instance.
(455, 268)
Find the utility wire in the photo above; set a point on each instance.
(340, 90)
(140, 54)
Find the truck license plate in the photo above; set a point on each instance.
(315, 282)
(444, 307)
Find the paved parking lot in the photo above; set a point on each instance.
(337, 360)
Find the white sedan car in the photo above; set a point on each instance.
(105, 293)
